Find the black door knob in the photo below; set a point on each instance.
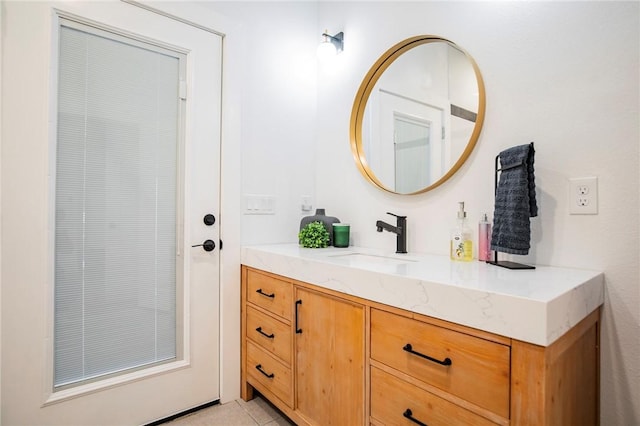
(209, 219)
(208, 245)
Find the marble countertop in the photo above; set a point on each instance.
(536, 306)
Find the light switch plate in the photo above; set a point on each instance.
(259, 204)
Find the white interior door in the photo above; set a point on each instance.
(189, 376)
(390, 106)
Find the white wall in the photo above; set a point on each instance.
(278, 111)
(564, 75)
(1, 20)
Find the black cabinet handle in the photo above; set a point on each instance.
(409, 348)
(298, 330)
(259, 368)
(409, 415)
(272, 295)
(270, 336)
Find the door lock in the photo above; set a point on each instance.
(209, 219)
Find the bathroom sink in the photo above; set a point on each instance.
(360, 258)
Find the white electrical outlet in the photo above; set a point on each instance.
(583, 195)
(305, 204)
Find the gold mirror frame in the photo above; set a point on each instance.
(362, 97)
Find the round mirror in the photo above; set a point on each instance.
(417, 115)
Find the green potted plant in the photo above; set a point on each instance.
(314, 235)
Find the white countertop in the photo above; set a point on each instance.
(536, 306)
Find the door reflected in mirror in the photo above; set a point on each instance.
(412, 150)
(417, 115)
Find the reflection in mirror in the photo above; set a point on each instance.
(412, 151)
(417, 115)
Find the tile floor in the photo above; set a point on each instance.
(257, 412)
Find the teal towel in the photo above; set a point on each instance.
(515, 201)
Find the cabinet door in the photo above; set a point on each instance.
(330, 359)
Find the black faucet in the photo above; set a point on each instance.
(400, 230)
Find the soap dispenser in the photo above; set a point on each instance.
(460, 245)
(484, 238)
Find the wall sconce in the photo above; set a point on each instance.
(331, 45)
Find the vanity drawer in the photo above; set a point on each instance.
(269, 333)
(266, 370)
(392, 397)
(270, 293)
(479, 369)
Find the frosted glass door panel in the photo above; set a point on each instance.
(116, 196)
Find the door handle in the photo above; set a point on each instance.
(208, 245)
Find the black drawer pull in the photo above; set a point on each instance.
(259, 368)
(272, 295)
(409, 415)
(270, 336)
(409, 348)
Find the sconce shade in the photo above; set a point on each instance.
(326, 50)
(330, 46)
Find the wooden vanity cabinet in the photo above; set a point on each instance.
(558, 384)
(468, 370)
(340, 360)
(396, 401)
(303, 349)
(490, 379)
(266, 336)
(330, 358)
